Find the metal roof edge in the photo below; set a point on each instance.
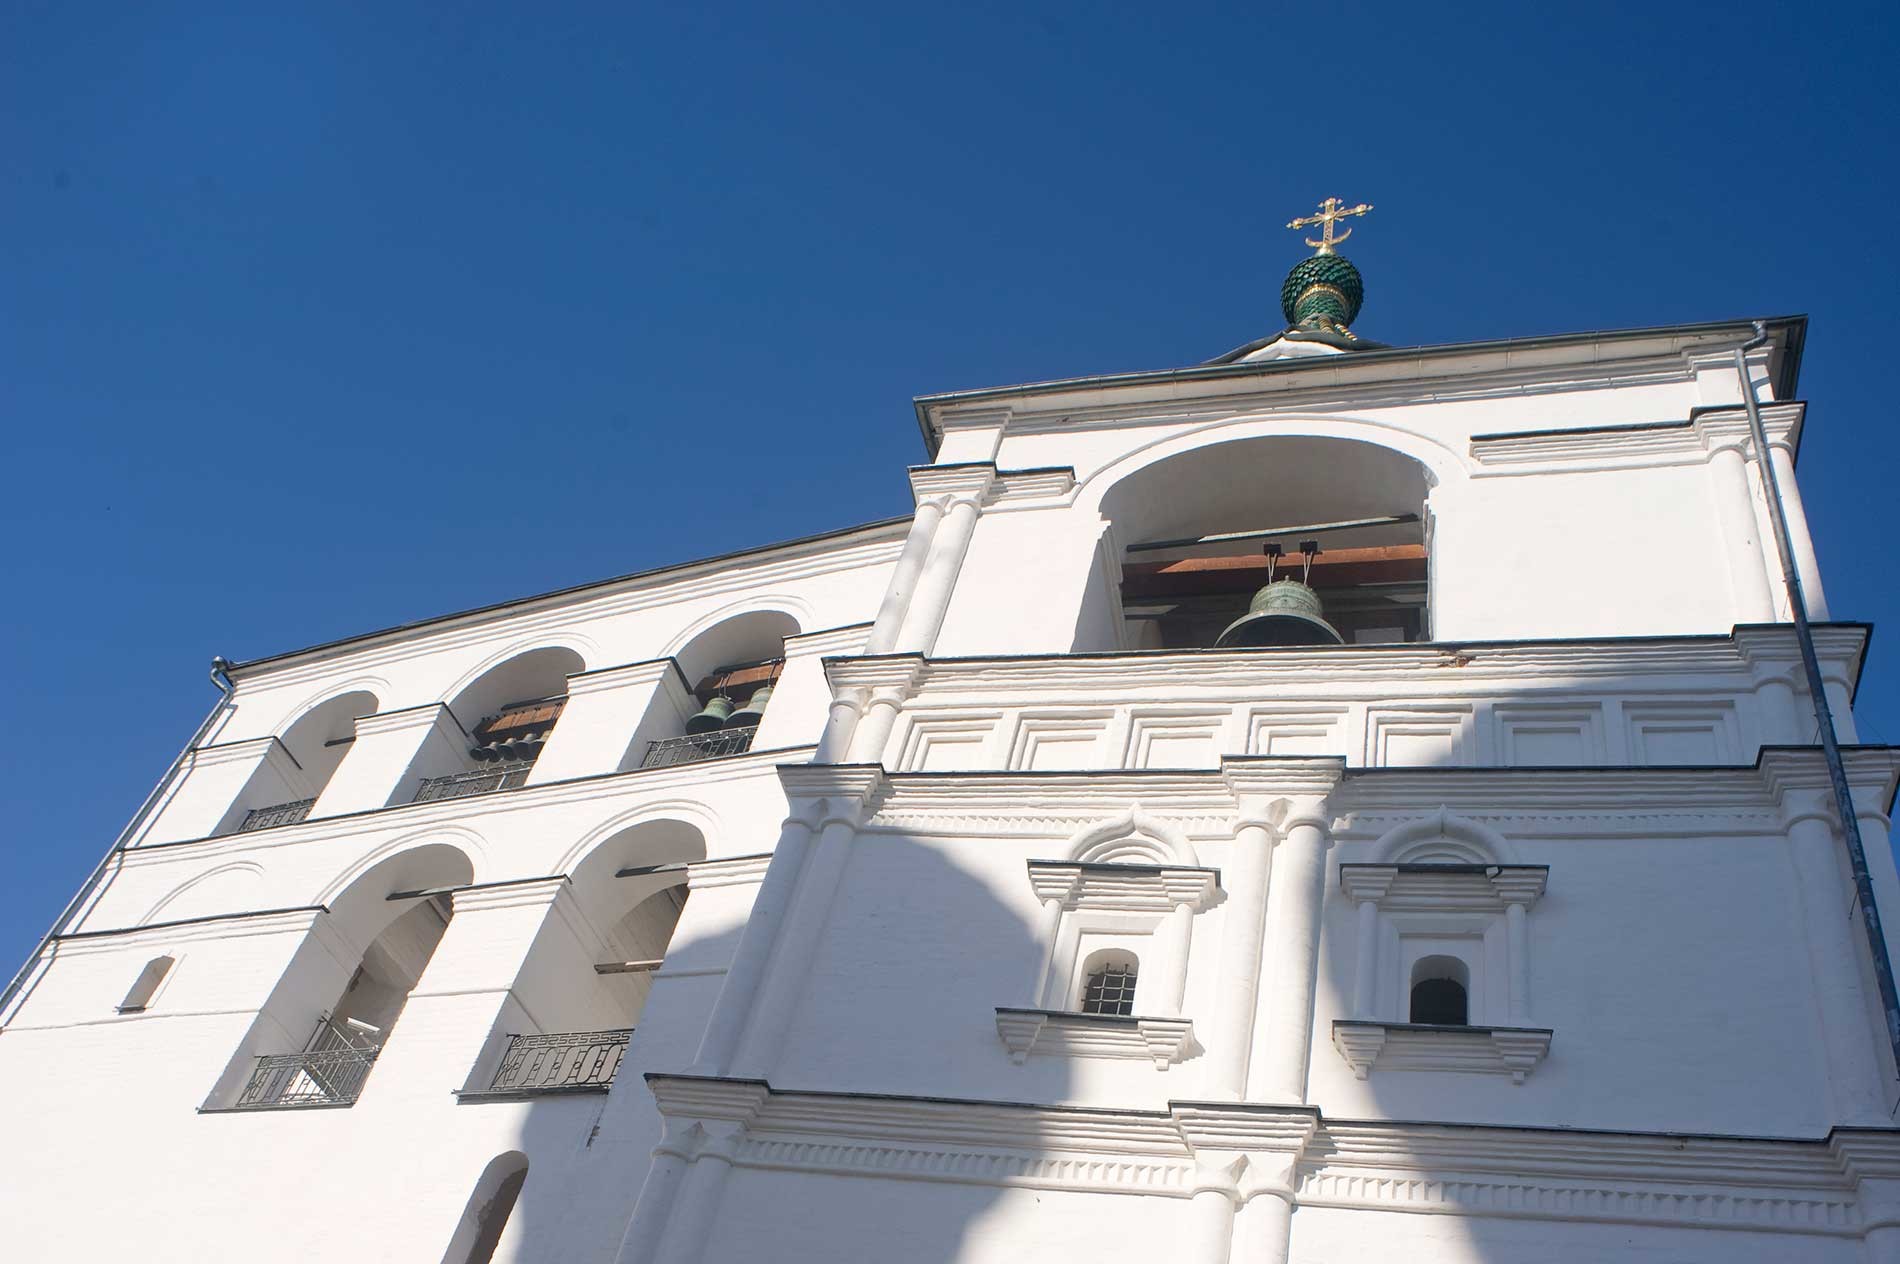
(1787, 373)
(657, 572)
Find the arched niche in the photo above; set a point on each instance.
(1443, 838)
(485, 1216)
(1371, 579)
(1133, 838)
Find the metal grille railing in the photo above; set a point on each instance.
(315, 1077)
(696, 746)
(276, 814)
(481, 781)
(564, 1061)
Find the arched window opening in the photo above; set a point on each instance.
(587, 978)
(145, 987)
(286, 786)
(1441, 992)
(398, 912)
(733, 668)
(508, 713)
(1109, 984)
(1211, 548)
(479, 1231)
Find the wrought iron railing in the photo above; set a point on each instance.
(573, 1061)
(697, 746)
(481, 781)
(315, 1077)
(276, 814)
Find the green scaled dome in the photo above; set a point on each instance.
(1324, 290)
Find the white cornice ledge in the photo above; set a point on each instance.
(1165, 1041)
(1512, 1051)
(1121, 887)
(1444, 888)
(828, 642)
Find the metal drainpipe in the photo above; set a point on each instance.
(1823, 713)
(219, 677)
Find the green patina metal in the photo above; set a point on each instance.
(1285, 612)
(1323, 293)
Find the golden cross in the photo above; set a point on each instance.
(1330, 211)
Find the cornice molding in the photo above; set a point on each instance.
(473, 809)
(730, 871)
(551, 613)
(1363, 671)
(1368, 1045)
(968, 481)
(828, 642)
(627, 675)
(1444, 888)
(1668, 1179)
(1691, 440)
(1123, 887)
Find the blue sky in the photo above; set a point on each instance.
(316, 319)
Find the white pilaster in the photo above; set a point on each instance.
(393, 752)
(1741, 541)
(1242, 932)
(910, 565)
(1283, 1036)
(1807, 567)
(964, 488)
(836, 796)
(610, 716)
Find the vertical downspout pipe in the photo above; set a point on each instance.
(1823, 713)
(219, 677)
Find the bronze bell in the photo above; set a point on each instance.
(753, 711)
(1285, 612)
(712, 716)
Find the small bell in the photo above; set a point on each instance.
(1285, 612)
(712, 716)
(753, 711)
(484, 754)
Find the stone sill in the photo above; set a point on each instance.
(274, 1107)
(1367, 1045)
(477, 1095)
(1164, 1041)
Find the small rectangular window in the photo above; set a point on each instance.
(146, 985)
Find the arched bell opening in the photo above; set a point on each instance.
(506, 715)
(1272, 541)
(337, 1003)
(730, 670)
(587, 978)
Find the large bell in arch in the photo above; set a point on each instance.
(1285, 612)
(712, 716)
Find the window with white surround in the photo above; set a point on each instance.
(1441, 976)
(1117, 933)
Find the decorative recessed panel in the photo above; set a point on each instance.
(1301, 731)
(1058, 743)
(1682, 733)
(1175, 740)
(1553, 736)
(1421, 737)
(947, 744)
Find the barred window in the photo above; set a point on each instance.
(1110, 988)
